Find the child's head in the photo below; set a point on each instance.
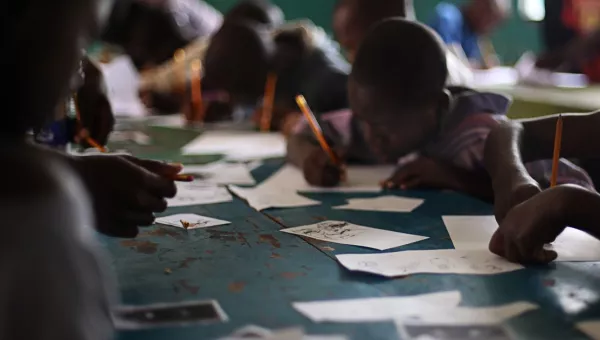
(237, 61)
(352, 19)
(42, 44)
(397, 87)
(485, 15)
(258, 11)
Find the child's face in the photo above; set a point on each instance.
(392, 133)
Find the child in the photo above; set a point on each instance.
(462, 29)
(402, 107)
(352, 20)
(150, 32)
(50, 241)
(158, 86)
(529, 217)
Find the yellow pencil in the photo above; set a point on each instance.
(268, 100)
(556, 156)
(196, 89)
(316, 128)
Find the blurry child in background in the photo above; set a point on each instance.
(465, 30)
(529, 218)
(401, 107)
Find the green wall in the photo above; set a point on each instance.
(511, 40)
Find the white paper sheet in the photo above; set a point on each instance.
(220, 173)
(238, 145)
(475, 232)
(382, 203)
(261, 333)
(122, 82)
(190, 193)
(360, 179)
(530, 74)
(446, 261)
(376, 309)
(469, 315)
(590, 328)
(195, 221)
(356, 235)
(261, 198)
(495, 76)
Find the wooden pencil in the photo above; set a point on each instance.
(557, 145)
(316, 128)
(196, 91)
(268, 101)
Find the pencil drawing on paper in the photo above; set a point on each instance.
(331, 230)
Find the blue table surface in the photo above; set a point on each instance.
(255, 272)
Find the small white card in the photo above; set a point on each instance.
(383, 204)
(356, 235)
(190, 221)
(446, 261)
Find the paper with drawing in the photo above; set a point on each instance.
(383, 204)
(238, 145)
(356, 235)
(190, 193)
(445, 261)
(475, 232)
(190, 221)
(220, 173)
(376, 309)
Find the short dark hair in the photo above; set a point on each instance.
(238, 59)
(402, 60)
(369, 12)
(259, 11)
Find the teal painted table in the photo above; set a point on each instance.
(256, 272)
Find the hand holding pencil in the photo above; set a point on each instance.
(323, 167)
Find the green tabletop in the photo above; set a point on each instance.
(256, 272)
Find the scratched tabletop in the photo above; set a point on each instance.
(255, 271)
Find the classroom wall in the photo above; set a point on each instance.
(511, 40)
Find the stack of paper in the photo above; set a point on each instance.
(220, 173)
(475, 232)
(238, 145)
(382, 203)
(356, 235)
(190, 193)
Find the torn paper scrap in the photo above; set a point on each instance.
(190, 193)
(190, 221)
(382, 203)
(445, 261)
(475, 232)
(470, 315)
(376, 309)
(238, 145)
(590, 328)
(261, 198)
(356, 235)
(220, 173)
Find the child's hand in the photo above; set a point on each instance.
(126, 191)
(423, 172)
(512, 192)
(320, 171)
(532, 224)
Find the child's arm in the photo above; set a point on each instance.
(429, 173)
(538, 221)
(512, 143)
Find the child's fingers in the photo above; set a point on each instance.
(411, 183)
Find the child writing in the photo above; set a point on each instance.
(48, 215)
(530, 218)
(401, 107)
